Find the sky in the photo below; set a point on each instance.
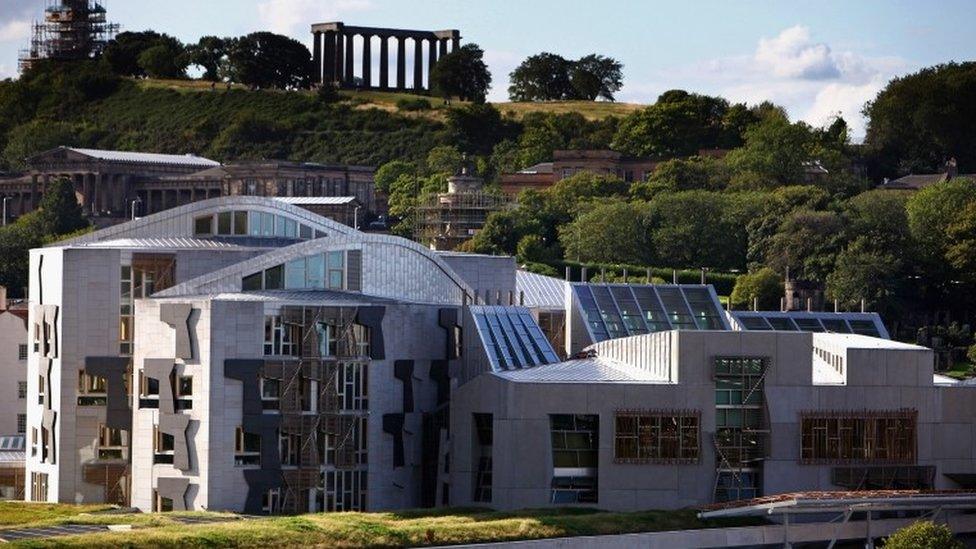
(817, 59)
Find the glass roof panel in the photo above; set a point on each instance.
(865, 327)
(676, 308)
(632, 316)
(781, 323)
(650, 305)
(608, 312)
(808, 324)
(754, 323)
(836, 325)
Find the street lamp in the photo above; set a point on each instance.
(137, 200)
(5, 199)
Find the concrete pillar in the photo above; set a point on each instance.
(329, 55)
(431, 59)
(401, 81)
(384, 62)
(340, 57)
(418, 64)
(350, 50)
(317, 57)
(367, 62)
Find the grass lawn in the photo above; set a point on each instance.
(17, 514)
(408, 528)
(960, 370)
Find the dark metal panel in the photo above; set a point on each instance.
(173, 488)
(113, 369)
(403, 370)
(372, 318)
(393, 425)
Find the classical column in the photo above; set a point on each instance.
(401, 62)
(455, 43)
(339, 59)
(367, 62)
(418, 64)
(329, 56)
(443, 43)
(317, 56)
(384, 62)
(350, 49)
(431, 58)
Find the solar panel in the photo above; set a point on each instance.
(511, 337)
(619, 310)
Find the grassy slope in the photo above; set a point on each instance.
(407, 528)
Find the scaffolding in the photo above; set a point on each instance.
(447, 220)
(71, 30)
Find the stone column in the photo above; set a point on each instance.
(431, 58)
(367, 62)
(443, 43)
(350, 49)
(340, 56)
(97, 193)
(384, 62)
(328, 69)
(317, 57)
(418, 64)
(401, 62)
(455, 43)
(33, 193)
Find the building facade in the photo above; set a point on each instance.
(245, 354)
(113, 186)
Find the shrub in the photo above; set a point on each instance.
(413, 104)
(923, 535)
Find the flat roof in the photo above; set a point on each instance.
(583, 370)
(834, 501)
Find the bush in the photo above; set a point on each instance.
(923, 535)
(764, 285)
(413, 104)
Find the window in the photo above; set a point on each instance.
(163, 446)
(125, 310)
(656, 437)
(270, 393)
(225, 222)
(91, 390)
(864, 436)
(344, 491)
(483, 431)
(280, 339)
(328, 344)
(148, 391)
(295, 274)
(252, 282)
(41, 389)
(240, 223)
(335, 263)
(38, 487)
(22, 351)
(310, 395)
(21, 423)
(203, 226)
(351, 385)
(184, 392)
(343, 441)
(21, 389)
(34, 440)
(274, 278)
(271, 501)
(575, 458)
(161, 504)
(247, 448)
(112, 443)
(289, 448)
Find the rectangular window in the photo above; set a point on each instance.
(328, 344)
(112, 444)
(295, 274)
(270, 393)
(344, 491)
(267, 224)
(125, 310)
(148, 391)
(92, 390)
(247, 448)
(310, 395)
(161, 504)
(352, 386)
(483, 430)
(864, 436)
(21, 389)
(22, 351)
(656, 437)
(315, 272)
(203, 226)
(271, 501)
(163, 446)
(575, 458)
(336, 270)
(289, 448)
(253, 282)
(225, 222)
(281, 339)
(38, 487)
(41, 389)
(21, 424)
(240, 223)
(274, 278)
(254, 223)
(344, 441)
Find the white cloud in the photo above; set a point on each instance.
(295, 17)
(791, 54)
(814, 82)
(16, 30)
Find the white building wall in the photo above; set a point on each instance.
(13, 371)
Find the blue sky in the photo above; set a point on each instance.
(816, 58)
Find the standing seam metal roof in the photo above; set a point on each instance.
(146, 158)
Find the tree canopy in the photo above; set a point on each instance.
(550, 77)
(462, 74)
(268, 60)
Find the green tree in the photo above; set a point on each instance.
(462, 74)
(932, 210)
(773, 155)
(609, 232)
(961, 246)
(863, 271)
(693, 229)
(37, 136)
(563, 199)
(777, 205)
(210, 52)
(807, 243)
(501, 234)
(59, 212)
(444, 159)
(596, 76)
(532, 249)
(122, 53)
(403, 199)
(679, 124)
(268, 60)
(680, 174)
(919, 120)
(390, 172)
(923, 535)
(166, 59)
(764, 285)
(541, 77)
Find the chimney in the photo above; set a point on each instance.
(951, 168)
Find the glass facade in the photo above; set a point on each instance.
(252, 223)
(575, 458)
(868, 324)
